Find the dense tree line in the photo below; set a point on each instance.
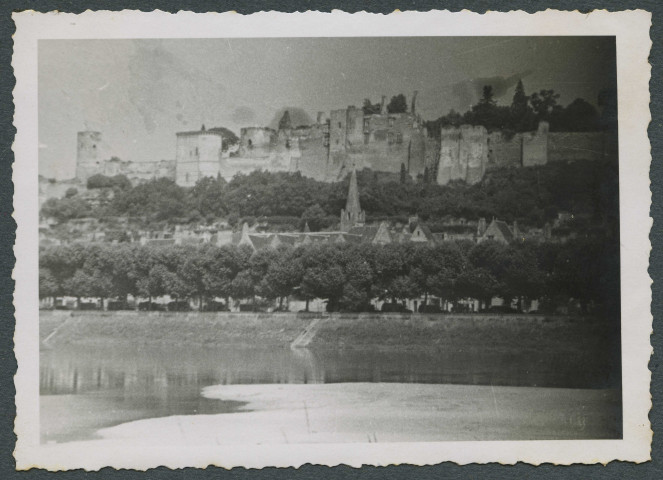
(526, 111)
(532, 196)
(347, 276)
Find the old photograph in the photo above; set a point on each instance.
(291, 240)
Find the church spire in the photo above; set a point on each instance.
(352, 215)
(352, 203)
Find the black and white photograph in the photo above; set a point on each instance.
(294, 240)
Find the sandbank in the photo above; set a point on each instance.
(383, 412)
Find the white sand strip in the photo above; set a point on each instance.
(383, 412)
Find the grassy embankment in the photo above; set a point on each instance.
(392, 331)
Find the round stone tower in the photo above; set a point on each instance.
(88, 155)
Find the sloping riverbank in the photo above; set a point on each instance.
(350, 331)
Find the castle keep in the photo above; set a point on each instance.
(198, 155)
(88, 155)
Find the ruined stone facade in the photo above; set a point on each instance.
(382, 142)
(89, 155)
(139, 172)
(328, 149)
(463, 154)
(93, 158)
(198, 155)
(467, 152)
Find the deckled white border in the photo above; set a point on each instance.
(633, 44)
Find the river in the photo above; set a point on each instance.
(84, 389)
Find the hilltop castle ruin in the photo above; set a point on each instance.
(349, 138)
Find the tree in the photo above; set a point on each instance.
(522, 116)
(402, 288)
(520, 102)
(63, 209)
(284, 274)
(477, 283)
(315, 217)
(487, 113)
(323, 275)
(487, 96)
(578, 116)
(71, 192)
(192, 272)
(397, 104)
(119, 182)
(543, 103)
(161, 199)
(229, 138)
(155, 283)
(222, 266)
(48, 285)
(124, 272)
(370, 108)
(207, 196)
(359, 278)
(242, 285)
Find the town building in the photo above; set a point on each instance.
(497, 231)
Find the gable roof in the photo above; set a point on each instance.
(420, 231)
(504, 230)
(260, 242)
(499, 228)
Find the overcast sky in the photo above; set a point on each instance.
(138, 93)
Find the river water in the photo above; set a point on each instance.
(86, 388)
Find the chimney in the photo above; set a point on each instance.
(383, 105)
(413, 108)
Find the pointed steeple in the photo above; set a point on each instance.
(352, 215)
(306, 228)
(352, 203)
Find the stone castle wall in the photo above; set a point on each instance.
(535, 146)
(138, 172)
(330, 148)
(569, 146)
(504, 151)
(462, 150)
(463, 154)
(382, 142)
